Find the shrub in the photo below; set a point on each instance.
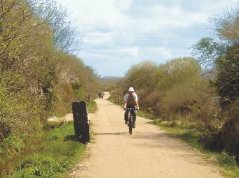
(230, 132)
(181, 99)
(36, 76)
(212, 140)
(226, 160)
(39, 166)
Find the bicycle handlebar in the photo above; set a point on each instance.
(131, 108)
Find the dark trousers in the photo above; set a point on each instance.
(126, 115)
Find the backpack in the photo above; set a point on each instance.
(131, 100)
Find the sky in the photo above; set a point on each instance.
(116, 34)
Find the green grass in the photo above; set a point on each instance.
(59, 152)
(227, 162)
(30, 156)
(92, 106)
(182, 130)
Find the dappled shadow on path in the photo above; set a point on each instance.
(112, 133)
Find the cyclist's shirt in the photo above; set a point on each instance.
(131, 99)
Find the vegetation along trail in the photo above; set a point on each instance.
(148, 153)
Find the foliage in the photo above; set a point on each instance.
(226, 65)
(179, 93)
(208, 50)
(169, 89)
(228, 77)
(10, 145)
(92, 106)
(57, 155)
(65, 35)
(38, 76)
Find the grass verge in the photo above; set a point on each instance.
(49, 153)
(92, 107)
(59, 152)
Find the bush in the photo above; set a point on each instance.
(230, 132)
(226, 160)
(39, 166)
(181, 98)
(56, 153)
(36, 77)
(221, 53)
(212, 141)
(178, 89)
(15, 112)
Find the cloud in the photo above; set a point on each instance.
(123, 5)
(117, 34)
(156, 53)
(130, 52)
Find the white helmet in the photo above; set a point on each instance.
(131, 89)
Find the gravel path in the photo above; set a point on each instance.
(148, 153)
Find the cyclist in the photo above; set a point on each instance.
(131, 101)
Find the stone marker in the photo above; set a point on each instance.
(81, 122)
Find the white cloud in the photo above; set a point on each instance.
(119, 33)
(94, 12)
(123, 4)
(98, 38)
(160, 52)
(177, 17)
(130, 52)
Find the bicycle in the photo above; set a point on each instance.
(131, 119)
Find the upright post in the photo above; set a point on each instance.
(81, 122)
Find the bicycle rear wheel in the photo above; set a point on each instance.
(131, 124)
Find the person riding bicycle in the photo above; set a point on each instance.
(131, 101)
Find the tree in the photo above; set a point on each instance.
(64, 32)
(228, 75)
(224, 56)
(207, 51)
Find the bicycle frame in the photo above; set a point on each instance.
(131, 115)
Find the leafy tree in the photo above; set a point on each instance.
(224, 56)
(38, 78)
(65, 35)
(157, 85)
(228, 75)
(207, 51)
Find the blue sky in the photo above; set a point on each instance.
(116, 34)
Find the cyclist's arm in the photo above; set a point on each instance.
(136, 99)
(137, 104)
(125, 100)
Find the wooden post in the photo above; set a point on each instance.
(81, 125)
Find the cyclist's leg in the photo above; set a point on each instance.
(126, 116)
(134, 119)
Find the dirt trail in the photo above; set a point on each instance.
(148, 153)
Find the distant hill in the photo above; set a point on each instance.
(111, 78)
(109, 82)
